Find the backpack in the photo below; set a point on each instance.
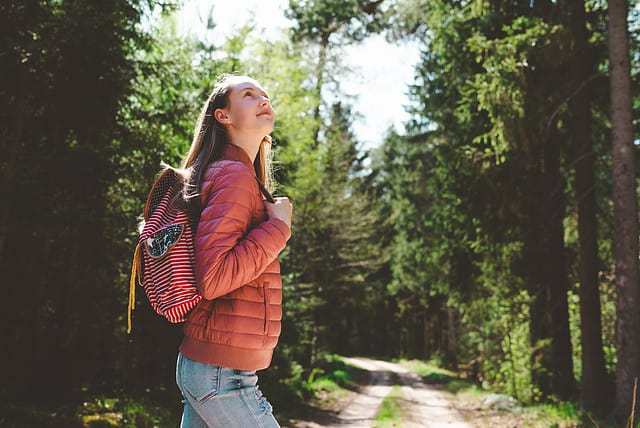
(163, 261)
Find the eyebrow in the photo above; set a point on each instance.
(253, 88)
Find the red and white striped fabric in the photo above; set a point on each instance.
(167, 270)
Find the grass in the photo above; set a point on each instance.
(329, 384)
(14, 416)
(320, 392)
(434, 375)
(553, 415)
(390, 411)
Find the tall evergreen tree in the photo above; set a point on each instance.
(625, 203)
(327, 24)
(583, 71)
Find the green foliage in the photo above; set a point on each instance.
(140, 413)
(285, 72)
(156, 121)
(22, 416)
(324, 385)
(500, 88)
(553, 415)
(332, 379)
(97, 413)
(607, 302)
(319, 20)
(431, 371)
(501, 338)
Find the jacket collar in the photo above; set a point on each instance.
(237, 153)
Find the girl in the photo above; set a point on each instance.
(232, 332)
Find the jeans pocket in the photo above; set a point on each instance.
(201, 381)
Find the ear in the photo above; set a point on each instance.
(221, 116)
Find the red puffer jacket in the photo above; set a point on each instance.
(237, 324)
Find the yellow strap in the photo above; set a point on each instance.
(132, 287)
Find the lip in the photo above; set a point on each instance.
(265, 113)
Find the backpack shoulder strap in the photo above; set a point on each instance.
(135, 273)
(267, 195)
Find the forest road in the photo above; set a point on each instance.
(422, 405)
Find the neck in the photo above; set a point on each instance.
(249, 143)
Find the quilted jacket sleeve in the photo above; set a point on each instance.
(229, 253)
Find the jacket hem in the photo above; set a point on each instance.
(226, 356)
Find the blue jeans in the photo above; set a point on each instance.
(217, 396)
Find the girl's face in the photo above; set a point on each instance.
(249, 108)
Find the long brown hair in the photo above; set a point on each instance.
(209, 140)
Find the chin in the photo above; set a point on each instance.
(269, 129)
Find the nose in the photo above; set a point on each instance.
(264, 101)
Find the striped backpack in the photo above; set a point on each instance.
(163, 261)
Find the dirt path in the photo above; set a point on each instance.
(422, 405)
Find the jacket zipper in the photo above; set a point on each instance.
(266, 307)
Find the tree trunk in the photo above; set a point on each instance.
(452, 358)
(625, 210)
(555, 269)
(426, 349)
(535, 244)
(322, 63)
(532, 261)
(594, 376)
(546, 275)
